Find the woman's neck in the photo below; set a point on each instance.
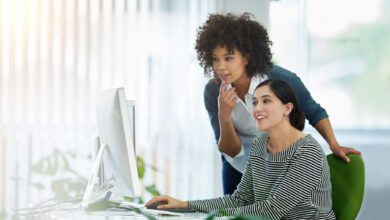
(282, 138)
(242, 86)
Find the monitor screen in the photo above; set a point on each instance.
(116, 128)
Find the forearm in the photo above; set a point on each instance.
(243, 196)
(229, 141)
(228, 206)
(228, 202)
(260, 210)
(324, 127)
(209, 205)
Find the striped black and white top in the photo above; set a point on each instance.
(292, 184)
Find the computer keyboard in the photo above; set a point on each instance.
(125, 204)
(160, 212)
(144, 210)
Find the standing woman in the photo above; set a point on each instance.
(235, 51)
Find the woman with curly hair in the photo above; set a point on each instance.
(235, 52)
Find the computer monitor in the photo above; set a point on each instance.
(116, 128)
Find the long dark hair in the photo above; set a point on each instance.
(286, 94)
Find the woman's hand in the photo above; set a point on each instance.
(342, 152)
(325, 129)
(169, 203)
(227, 100)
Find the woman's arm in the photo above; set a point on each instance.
(324, 127)
(241, 197)
(221, 122)
(304, 174)
(229, 141)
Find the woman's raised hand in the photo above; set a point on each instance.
(227, 100)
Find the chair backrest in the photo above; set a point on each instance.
(347, 185)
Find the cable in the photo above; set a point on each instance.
(63, 204)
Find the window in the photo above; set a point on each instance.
(340, 49)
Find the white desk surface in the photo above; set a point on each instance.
(112, 215)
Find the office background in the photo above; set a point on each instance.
(55, 56)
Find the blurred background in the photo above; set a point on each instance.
(56, 54)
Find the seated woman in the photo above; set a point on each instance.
(287, 174)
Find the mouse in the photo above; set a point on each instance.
(154, 205)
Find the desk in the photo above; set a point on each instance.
(111, 215)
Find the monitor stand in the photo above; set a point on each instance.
(93, 178)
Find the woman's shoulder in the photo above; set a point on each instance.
(259, 144)
(309, 140)
(212, 87)
(278, 72)
(310, 146)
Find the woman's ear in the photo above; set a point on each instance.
(288, 108)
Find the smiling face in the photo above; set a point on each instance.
(229, 66)
(269, 112)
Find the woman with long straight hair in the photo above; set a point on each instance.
(287, 173)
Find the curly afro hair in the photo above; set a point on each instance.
(234, 32)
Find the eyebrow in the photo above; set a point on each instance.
(265, 96)
(226, 54)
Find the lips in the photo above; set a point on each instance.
(225, 76)
(260, 117)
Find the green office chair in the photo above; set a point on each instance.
(347, 185)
